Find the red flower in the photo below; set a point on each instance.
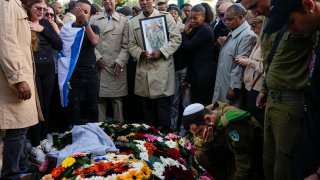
(57, 171)
(155, 131)
(139, 135)
(173, 172)
(174, 153)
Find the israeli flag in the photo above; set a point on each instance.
(67, 59)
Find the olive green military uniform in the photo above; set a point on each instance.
(285, 83)
(234, 139)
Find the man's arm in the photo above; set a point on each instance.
(134, 49)
(123, 56)
(10, 51)
(244, 49)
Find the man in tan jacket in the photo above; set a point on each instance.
(155, 80)
(112, 55)
(18, 98)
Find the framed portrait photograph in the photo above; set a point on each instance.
(154, 32)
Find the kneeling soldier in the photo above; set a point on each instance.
(224, 138)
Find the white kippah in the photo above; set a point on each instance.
(193, 108)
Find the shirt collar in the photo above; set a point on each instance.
(239, 29)
(114, 16)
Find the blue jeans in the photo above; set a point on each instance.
(14, 153)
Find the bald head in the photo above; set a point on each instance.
(224, 6)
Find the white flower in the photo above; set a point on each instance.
(158, 174)
(146, 126)
(141, 148)
(136, 125)
(182, 142)
(112, 177)
(124, 126)
(144, 156)
(169, 162)
(139, 142)
(171, 144)
(97, 178)
(157, 166)
(160, 139)
(137, 165)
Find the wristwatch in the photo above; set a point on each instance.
(85, 23)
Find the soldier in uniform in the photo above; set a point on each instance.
(287, 56)
(112, 56)
(222, 125)
(155, 79)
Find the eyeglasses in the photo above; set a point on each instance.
(49, 14)
(41, 9)
(221, 15)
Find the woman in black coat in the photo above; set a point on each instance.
(198, 38)
(47, 40)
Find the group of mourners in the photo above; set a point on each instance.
(242, 81)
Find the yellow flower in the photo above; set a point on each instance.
(64, 178)
(68, 162)
(132, 134)
(134, 174)
(146, 171)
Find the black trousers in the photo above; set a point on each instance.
(45, 78)
(84, 88)
(157, 112)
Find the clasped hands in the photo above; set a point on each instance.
(155, 55)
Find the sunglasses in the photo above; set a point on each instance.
(49, 14)
(221, 15)
(41, 9)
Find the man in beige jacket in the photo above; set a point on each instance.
(18, 99)
(155, 80)
(112, 56)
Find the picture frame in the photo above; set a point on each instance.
(154, 32)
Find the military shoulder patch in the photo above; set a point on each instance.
(234, 135)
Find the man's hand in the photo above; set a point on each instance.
(243, 61)
(145, 55)
(78, 12)
(117, 69)
(221, 40)
(100, 64)
(35, 27)
(24, 92)
(208, 134)
(156, 55)
(261, 100)
(230, 94)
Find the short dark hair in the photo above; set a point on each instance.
(71, 5)
(125, 10)
(83, 1)
(161, 3)
(184, 5)
(136, 9)
(239, 11)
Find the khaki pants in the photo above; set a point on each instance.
(117, 106)
(281, 132)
